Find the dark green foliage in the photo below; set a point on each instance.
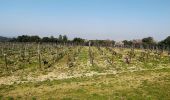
(65, 39)
(4, 39)
(78, 40)
(26, 38)
(127, 43)
(102, 42)
(165, 42)
(148, 40)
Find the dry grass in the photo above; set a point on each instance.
(82, 81)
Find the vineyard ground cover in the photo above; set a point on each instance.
(110, 77)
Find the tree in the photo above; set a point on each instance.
(60, 38)
(4, 39)
(165, 42)
(78, 40)
(45, 39)
(34, 39)
(148, 40)
(23, 38)
(65, 39)
(52, 39)
(127, 43)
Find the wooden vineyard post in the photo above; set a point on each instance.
(90, 54)
(153, 48)
(68, 59)
(25, 51)
(112, 59)
(39, 56)
(2, 51)
(24, 56)
(141, 47)
(163, 49)
(156, 49)
(169, 53)
(56, 55)
(168, 50)
(131, 55)
(6, 64)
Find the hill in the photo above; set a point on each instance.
(4, 39)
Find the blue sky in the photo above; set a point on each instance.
(91, 19)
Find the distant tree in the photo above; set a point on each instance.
(165, 42)
(13, 40)
(148, 42)
(78, 40)
(34, 39)
(127, 43)
(23, 38)
(113, 42)
(52, 39)
(65, 39)
(108, 42)
(60, 38)
(102, 42)
(45, 39)
(5, 39)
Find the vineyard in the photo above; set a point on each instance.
(55, 71)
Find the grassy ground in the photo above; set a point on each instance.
(139, 85)
(139, 80)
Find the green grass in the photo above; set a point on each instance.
(147, 85)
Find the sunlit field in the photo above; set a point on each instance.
(84, 49)
(53, 71)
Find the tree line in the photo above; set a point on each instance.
(62, 39)
(148, 42)
(145, 42)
